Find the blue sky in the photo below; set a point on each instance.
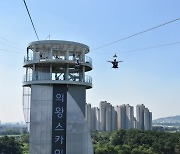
(151, 77)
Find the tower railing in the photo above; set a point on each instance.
(54, 77)
(36, 57)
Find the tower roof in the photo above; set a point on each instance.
(58, 45)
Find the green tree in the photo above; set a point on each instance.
(25, 138)
(25, 148)
(118, 137)
(9, 145)
(136, 142)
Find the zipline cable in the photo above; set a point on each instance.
(18, 46)
(152, 47)
(145, 48)
(144, 31)
(31, 19)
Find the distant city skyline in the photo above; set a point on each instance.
(110, 118)
(97, 105)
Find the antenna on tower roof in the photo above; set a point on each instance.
(48, 37)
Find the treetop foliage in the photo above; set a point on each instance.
(136, 142)
(14, 145)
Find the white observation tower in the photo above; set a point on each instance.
(54, 97)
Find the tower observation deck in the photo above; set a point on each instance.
(57, 62)
(54, 97)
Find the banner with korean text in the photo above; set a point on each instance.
(59, 119)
